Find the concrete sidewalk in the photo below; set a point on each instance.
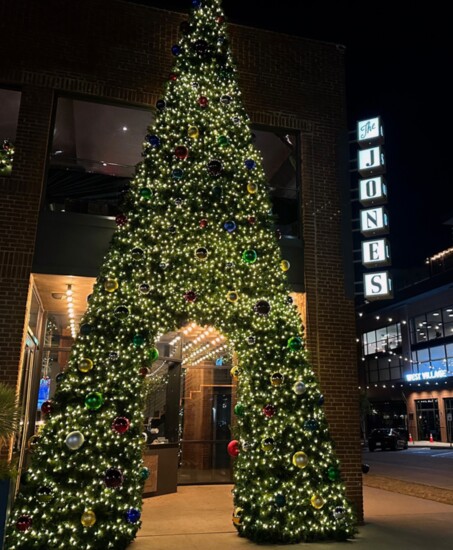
(199, 518)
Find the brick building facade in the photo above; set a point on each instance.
(120, 52)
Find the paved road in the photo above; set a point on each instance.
(419, 465)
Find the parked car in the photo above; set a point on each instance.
(387, 438)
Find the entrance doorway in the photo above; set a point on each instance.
(428, 419)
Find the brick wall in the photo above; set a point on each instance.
(113, 50)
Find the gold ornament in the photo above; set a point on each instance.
(267, 444)
(252, 188)
(237, 516)
(88, 518)
(85, 365)
(232, 296)
(235, 372)
(277, 379)
(193, 132)
(300, 459)
(285, 265)
(111, 285)
(317, 502)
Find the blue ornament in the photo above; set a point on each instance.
(154, 141)
(132, 515)
(177, 174)
(321, 400)
(144, 473)
(85, 329)
(280, 500)
(176, 49)
(311, 425)
(250, 164)
(161, 104)
(196, 3)
(230, 226)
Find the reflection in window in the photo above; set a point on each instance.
(9, 114)
(382, 340)
(432, 325)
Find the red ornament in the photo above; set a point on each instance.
(251, 220)
(203, 223)
(143, 372)
(46, 407)
(23, 523)
(181, 152)
(173, 77)
(220, 19)
(203, 101)
(190, 296)
(233, 447)
(120, 220)
(121, 424)
(269, 410)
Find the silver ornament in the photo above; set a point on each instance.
(299, 388)
(74, 440)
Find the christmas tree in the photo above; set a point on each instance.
(196, 242)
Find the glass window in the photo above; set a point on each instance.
(437, 352)
(382, 340)
(9, 115)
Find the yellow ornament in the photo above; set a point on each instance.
(85, 365)
(252, 188)
(267, 444)
(111, 285)
(317, 502)
(285, 265)
(237, 516)
(300, 459)
(88, 518)
(193, 132)
(235, 372)
(277, 379)
(232, 296)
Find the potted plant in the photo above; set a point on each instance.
(9, 421)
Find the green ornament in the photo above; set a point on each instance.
(239, 409)
(223, 141)
(333, 473)
(153, 354)
(249, 256)
(44, 494)
(94, 401)
(138, 340)
(121, 312)
(295, 343)
(146, 193)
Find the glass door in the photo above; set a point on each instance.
(428, 419)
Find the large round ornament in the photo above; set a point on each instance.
(262, 307)
(85, 329)
(74, 440)
(269, 410)
(339, 512)
(235, 372)
(217, 192)
(190, 296)
(317, 502)
(295, 343)
(250, 164)
(114, 356)
(111, 285)
(177, 174)
(144, 473)
(181, 152)
(203, 102)
(300, 459)
(85, 365)
(251, 220)
(121, 220)
(233, 448)
(277, 379)
(154, 141)
(193, 132)
(46, 407)
(44, 494)
(203, 223)
(225, 99)
(113, 478)
(239, 409)
(60, 377)
(249, 256)
(138, 340)
(311, 425)
(232, 296)
(280, 501)
(201, 254)
(143, 372)
(153, 354)
(121, 424)
(133, 515)
(176, 50)
(94, 401)
(24, 523)
(161, 104)
(252, 188)
(173, 77)
(121, 312)
(321, 400)
(137, 254)
(223, 141)
(145, 193)
(267, 444)
(230, 226)
(88, 518)
(285, 265)
(299, 388)
(251, 340)
(237, 516)
(333, 473)
(215, 167)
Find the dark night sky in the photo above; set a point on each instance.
(398, 64)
